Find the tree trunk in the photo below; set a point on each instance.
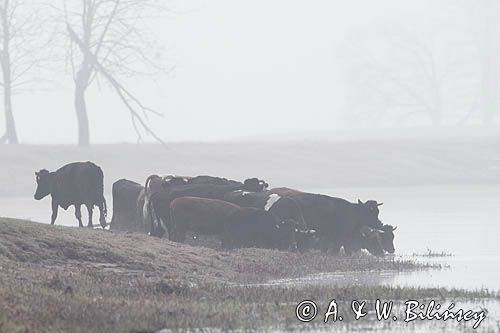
(81, 84)
(489, 103)
(10, 124)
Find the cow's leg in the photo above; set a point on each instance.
(324, 244)
(102, 213)
(335, 246)
(225, 241)
(90, 209)
(78, 214)
(179, 234)
(161, 229)
(55, 208)
(348, 250)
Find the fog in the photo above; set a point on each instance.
(247, 70)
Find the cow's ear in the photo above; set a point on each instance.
(37, 173)
(360, 202)
(380, 204)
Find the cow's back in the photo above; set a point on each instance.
(322, 212)
(78, 183)
(126, 216)
(210, 180)
(162, 200)
(247, 199)
(201, 215)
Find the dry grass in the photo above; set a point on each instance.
(57, 279)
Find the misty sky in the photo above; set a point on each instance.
(241, 69)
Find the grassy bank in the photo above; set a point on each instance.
(57, 279)
(295, 164)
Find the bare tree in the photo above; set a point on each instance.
(485, 24)
(109, 41)
(402, 74)
(21, 46)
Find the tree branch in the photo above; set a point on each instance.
(127, 97)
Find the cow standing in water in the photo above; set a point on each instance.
(77, 184)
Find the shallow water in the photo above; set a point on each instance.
(461, 220)
(28, 208)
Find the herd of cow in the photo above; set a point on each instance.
(241, 214)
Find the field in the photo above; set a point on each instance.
(59, 279)
(300, 164)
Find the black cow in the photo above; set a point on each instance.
(366, 238)
(79, 183)
(337, 221)
(199, 215)
(160, 201)
(127, 206)
(250, 184)
(237, 226)
(254, 227)
(387, 238)
(283, 208)
(211, 180)
(154, 184)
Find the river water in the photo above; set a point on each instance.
(460, 221)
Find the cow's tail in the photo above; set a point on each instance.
(148, 180)
(104, 207)
(103, 200)
(155, 220)
(171, 227)
(151, 212)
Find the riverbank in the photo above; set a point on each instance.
(59, 279)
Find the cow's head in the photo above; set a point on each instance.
(387, 238)
(369, 212)
(44, 180)
(372, 240)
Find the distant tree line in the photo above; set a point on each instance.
(427, 72)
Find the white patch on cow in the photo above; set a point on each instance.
(273, 198)
(145, 209)
(242, 192)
